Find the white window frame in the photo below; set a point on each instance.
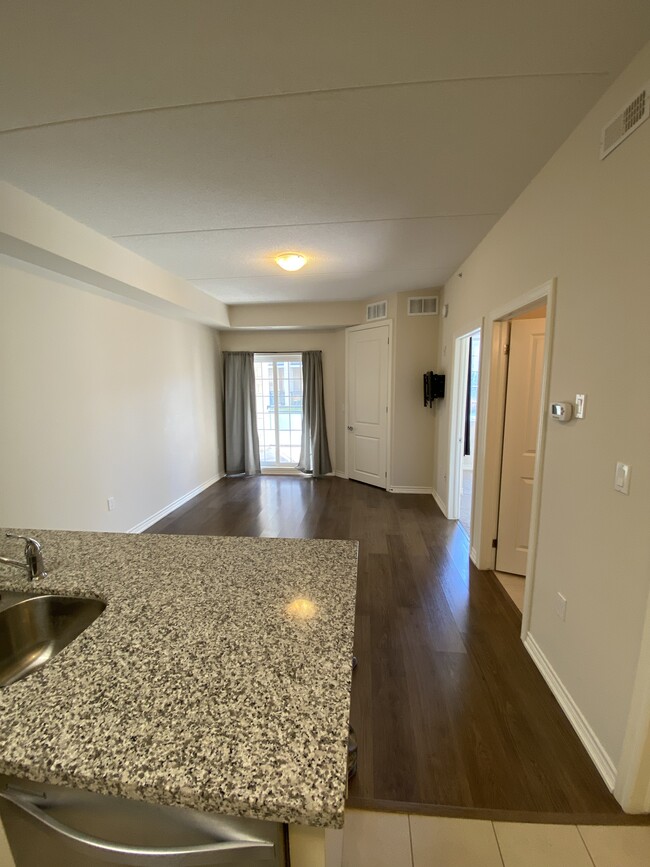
(275, 357)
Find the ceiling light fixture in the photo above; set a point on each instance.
(291, 261)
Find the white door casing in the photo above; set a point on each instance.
(520, 436)
(367, 403)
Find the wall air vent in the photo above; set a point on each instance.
(378, 310)
(423, 306)
(626, 121)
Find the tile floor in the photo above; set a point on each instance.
(399, 840)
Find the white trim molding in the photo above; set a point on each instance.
(440, 502)
(166, 510)
(633, 781)
(341, 474)
(596, 750)
(400, 489)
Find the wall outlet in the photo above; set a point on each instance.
(560, 606)
(110, 502)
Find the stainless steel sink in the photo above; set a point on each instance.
(33, 629)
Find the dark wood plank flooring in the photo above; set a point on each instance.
(451, 715)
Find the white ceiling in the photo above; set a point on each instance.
(383, 139)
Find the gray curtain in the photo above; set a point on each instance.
(314, 453)
(242, 442)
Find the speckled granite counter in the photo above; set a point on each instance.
(195, 686)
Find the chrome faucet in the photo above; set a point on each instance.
(33, 561)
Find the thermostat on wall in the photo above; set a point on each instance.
(561, 411)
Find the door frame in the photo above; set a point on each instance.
(460, 363)
(489, 434)
(389, 396)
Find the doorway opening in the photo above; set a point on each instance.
(524, 370)
(538, 303)
(463, 431)
(278, 396)
(469, 358)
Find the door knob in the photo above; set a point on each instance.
(350, 427)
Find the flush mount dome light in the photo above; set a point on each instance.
(291, 261)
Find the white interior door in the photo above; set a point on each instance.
(367, 410)
(523, 396)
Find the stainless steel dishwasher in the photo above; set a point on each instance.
(62, 827)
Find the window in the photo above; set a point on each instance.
(278, 392)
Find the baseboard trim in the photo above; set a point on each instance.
(597, 752)
(439, 502)
(166, 510)
(473, 556)
(341, 475)
(402, 489)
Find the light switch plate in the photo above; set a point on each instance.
(622, 478)
(580, 405)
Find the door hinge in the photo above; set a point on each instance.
(386, 409)
(386, 474)
(389, 341)
(494, 543)
(506, 349)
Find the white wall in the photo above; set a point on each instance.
(415, 351)
(319, 315)
(99, 399)
(586, 222)
(332, 345)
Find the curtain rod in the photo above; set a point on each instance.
(273, 352)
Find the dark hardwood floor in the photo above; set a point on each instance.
(451, 715)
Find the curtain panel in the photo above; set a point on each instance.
(240, 419)
(314, 452)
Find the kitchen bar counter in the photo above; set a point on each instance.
(217, 678)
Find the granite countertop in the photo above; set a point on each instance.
(196, 686)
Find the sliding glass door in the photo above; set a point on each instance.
(278, 390)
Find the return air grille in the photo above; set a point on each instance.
(376, 311)
(625, 122)
(423, 306)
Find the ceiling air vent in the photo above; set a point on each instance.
(625, 122)
(423, 306)
(377, 310)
